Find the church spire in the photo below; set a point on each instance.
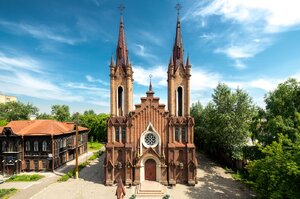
(122, 52)
(178, 44)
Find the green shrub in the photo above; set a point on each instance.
(6, 193)
(25, 178)
(277, 175)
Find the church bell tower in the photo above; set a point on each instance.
(121, 81)
(179, 78)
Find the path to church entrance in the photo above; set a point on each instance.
(214, 182)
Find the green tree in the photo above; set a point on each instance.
(3, 122)
(277, 175)
(96, 124)
(44, 116)
(61, 112)
(280, 116)
(17, 111)
(196, 113)
(227, 121)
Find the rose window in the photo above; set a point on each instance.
(150, 139)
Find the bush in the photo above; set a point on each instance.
(6, 193)
(277, 175)
(25, 178)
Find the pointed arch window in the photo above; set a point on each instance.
(179, 101)
(120, 101)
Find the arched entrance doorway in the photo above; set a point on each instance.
(150, 170)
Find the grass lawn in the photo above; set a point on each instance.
(6, 193)
(94, 146)
(25, 178)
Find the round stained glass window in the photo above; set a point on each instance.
(150, 139)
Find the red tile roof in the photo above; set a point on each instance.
(41, 127)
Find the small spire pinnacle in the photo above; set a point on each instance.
(150, 86)
(188, 60)
(112, 63)
(171, 61)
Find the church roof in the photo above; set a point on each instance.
(41, 127)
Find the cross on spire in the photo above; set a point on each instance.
(121, 7)
(178, 7)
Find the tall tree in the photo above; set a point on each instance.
(283, 105)
(61, 112)
(227, 119)
(17, 111)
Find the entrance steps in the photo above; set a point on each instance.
(150, 190)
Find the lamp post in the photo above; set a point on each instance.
(76, 164)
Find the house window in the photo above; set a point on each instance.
(123, 134)
(64, 142)
(27, 147)
(117, 134)
(177, 132)
(44, 146)
(36, 146)
(3, 146)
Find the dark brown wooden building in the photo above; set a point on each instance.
(38, 145)
(150, 142)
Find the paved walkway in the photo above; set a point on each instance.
(214, 182)
(29, 189)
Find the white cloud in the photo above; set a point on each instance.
(202, 80)
(250, 24)
(41, 32)
(89, 78)
(276, 15)
(159, 75)
(141, 51)
(11, 63)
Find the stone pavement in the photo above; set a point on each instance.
(213, 182)
(29, 189)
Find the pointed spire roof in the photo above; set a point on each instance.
(178, 46)
(122, 52)
(171, 63)
(188, 61)
(112, 62)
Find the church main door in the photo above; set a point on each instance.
(150, 170)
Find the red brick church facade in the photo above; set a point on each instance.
(150, 142)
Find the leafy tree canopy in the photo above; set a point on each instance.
(17, 111)
(61, 112)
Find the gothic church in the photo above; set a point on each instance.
(150, 141)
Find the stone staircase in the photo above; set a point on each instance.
(150, 190)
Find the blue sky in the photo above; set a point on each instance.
(58, 52)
